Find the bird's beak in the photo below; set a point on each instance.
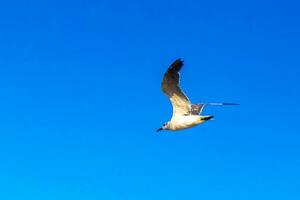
(160, 129)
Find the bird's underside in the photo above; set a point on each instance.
(185, 114)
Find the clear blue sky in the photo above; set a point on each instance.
(80, 100)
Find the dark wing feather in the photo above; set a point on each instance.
(197, 109)
(170, 86)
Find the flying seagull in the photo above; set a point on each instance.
(185, 114)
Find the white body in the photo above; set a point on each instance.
(183, 122)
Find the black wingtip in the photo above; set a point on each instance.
(176, 65)
(231, 104)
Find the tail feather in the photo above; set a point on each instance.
(206, 118)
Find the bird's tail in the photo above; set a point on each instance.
(206, 118)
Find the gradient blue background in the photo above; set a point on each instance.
(80, 100)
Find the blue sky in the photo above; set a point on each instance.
(80, 100)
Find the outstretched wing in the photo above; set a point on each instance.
(197, 108)
(170, 86)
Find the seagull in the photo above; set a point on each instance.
(185, 114)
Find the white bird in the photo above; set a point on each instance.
(185, 114)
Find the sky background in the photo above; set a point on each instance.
(80, 100)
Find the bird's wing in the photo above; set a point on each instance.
(197, 108)
(170, 86)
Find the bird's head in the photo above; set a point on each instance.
(165, 126)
